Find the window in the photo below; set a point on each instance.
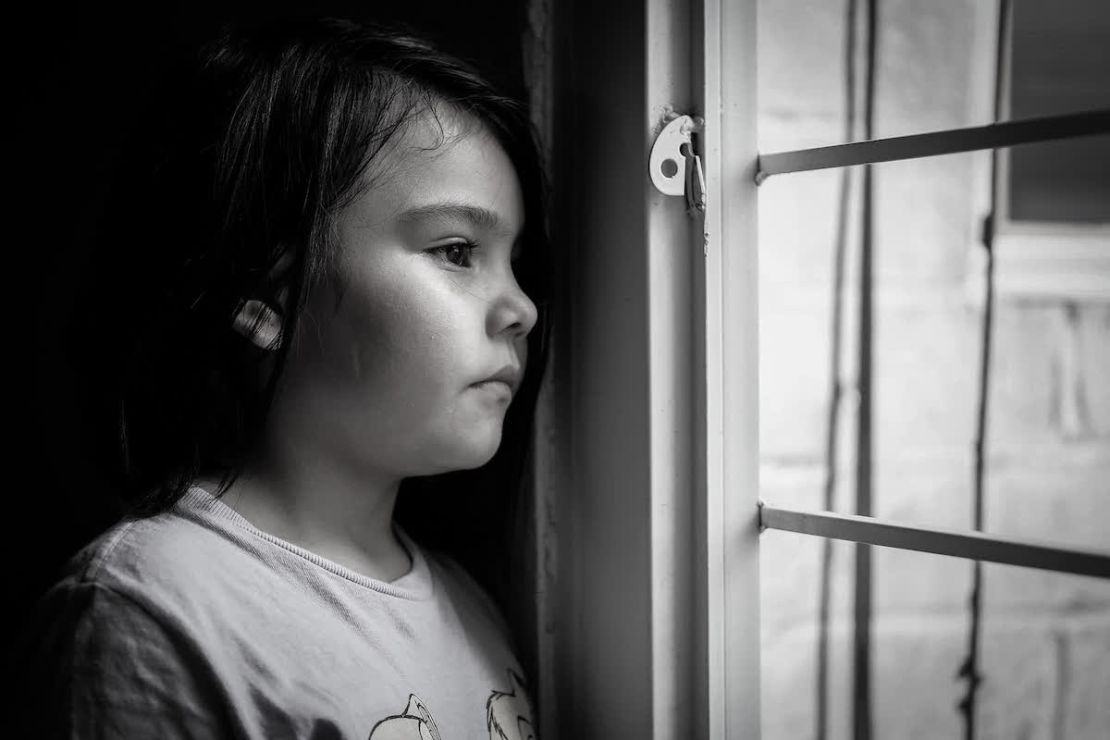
(909, 382)
(1053, 223)
(649, 483)
(1059, 63)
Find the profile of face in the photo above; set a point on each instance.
(412, 372)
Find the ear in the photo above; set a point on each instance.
(259, 323)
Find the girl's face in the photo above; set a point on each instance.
(413, 371)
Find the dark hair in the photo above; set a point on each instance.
(230, 194)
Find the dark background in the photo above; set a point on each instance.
(80, 76)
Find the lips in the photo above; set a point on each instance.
(496, 388)
(505, 379)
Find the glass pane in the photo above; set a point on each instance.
(934, 69)
(1062, 181)
(1060, 64)
(1060, 61)
(1046, 639)
(1048, 423)
(1044, 656)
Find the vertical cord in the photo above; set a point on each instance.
(861, 648)
(836, 387)
(969, 669)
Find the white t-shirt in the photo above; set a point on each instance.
(194, 623)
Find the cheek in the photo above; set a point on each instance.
(402, 340)
(389, 373)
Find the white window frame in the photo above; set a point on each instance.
(647, 479)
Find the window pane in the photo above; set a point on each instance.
(934, 70)
(1062, 181)
(1060, 64)
(1060, 60)
(1048, 432)
(1044, 657)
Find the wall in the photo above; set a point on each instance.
(1046, 637)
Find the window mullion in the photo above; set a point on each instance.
(727, 485)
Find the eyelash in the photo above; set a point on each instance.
(444, 250)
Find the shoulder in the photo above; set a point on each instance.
(141, 557)
(130, 638)
(98, 661)
(185, 570)
(125, 591)
(86, 619)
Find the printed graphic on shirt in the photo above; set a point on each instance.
(414, 723)
(508, 717)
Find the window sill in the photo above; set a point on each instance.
(1049, 262)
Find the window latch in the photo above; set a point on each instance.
(674, 164)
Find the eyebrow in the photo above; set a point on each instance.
(482, 218)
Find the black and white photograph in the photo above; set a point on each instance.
(518, 369)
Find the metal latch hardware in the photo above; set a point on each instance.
(675, 166)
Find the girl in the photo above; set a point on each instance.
(325, 393)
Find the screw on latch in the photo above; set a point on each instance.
(674, 164)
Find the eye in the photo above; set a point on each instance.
(457, 253)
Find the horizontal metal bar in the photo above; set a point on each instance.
(971, 545)
(994, 136)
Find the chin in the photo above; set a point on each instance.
(473, 452)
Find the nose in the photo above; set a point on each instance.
(512, 312)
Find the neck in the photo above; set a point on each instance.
(340, 514)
